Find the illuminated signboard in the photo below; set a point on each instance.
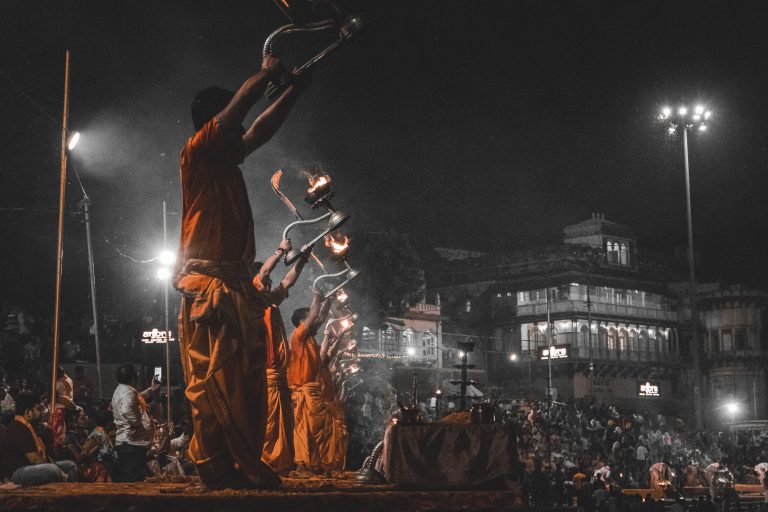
(559, 352)
(648, 389)
(156, 336)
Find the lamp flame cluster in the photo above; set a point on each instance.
(697, 117)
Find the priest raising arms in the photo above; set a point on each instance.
(221, 323)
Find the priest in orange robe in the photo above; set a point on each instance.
(222, 334)
(318, 435)
(278, 442)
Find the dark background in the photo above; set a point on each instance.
(481, 125)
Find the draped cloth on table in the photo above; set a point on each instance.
(449, 455)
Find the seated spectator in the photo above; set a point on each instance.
(97, 454)
(23, 456)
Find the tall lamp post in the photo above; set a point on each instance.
(683, 119)
(166, 259)
(733, 408)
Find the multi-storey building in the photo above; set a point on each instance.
(734, 349)
(414, 337)
(615, 315)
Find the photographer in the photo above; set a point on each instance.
(133, 424)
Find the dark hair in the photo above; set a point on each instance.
(126, 374)
(208, 103)
(299, 315)
(59, 370)
(25, 402)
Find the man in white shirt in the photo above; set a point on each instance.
(641, 456)
(7, 404)
(761, 469)
(133, 427)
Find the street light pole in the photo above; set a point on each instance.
(86, 202)
(697, 406)
(698, 118)
(60, 238)
(167, 331)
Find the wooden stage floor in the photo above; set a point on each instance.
(338, 493)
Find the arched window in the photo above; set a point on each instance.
(653, 344)
(623, 255)
(390, 337)
(602, 342)
(368, 338)
(633, 355)
(642, 339)
(622, 343)
(612, 343)
(535, 337)
(663, 340)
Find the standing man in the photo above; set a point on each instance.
(278, 442)
(133, 426)
(221, 322)
(310, 387)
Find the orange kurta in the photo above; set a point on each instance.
(278, 441)
(221, 326)
(319, 435)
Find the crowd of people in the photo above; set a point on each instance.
(79, 438)
(598, 451)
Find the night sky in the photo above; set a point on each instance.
(486, 125)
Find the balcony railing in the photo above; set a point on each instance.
(598, 308)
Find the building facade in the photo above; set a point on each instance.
(614, 317)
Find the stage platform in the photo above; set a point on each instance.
(339, 493)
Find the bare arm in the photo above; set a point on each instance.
(293, 274)
(233, 115)
(267, 124)
(325, 345)
(66, 402)
(269, 263)
(318, 312)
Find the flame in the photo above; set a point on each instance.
(345, 324)
(337, 246)
(341, 296)
(316, 182)
(354, 368)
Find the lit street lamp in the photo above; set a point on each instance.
(733, 408)
(683, 120)
(73, 140)
(163, 274)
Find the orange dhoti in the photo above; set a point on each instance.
(223, 355)
(278, 443)
(320, 434)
